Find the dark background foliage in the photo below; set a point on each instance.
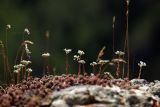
(86, 25)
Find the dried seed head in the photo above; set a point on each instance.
(28, 42)
(67, 51)
(114, 19)
(8, 26)
(127, 1)
(47, 34)
(101, 53)
(113, 23)
(27, 31)
(28, 52)
(1, 44)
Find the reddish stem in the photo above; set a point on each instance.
(67, 64)
(79, 69)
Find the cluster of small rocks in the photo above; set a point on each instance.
(80, 91)
(98, 96)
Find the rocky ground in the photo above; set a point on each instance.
(81, 91)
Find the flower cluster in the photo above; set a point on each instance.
(119, 53)
(102, 62)
(46, 54)
(78, 57)
(67, 51)
(80, 52)
(17, 68)
(25, 62)
(93, 63)
(142, 64)
(81, 62)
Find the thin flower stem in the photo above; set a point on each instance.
(6, 40)
(118, 69)
(24, 73)
(100, 69)
(15, 62)
(28, 75)
(93, 69)
(22, 55)
(44, 67)
(113, 30)
(128, 50)
(140, 71)
(84, 69)
(5, 70)
(8, 71)
(126, 43)
(47, 67)
(67, 64)
(104, 68)
(18, 77)
(79, 69)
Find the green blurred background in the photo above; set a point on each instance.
(85, 25)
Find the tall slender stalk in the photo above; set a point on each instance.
(113, 31)
(79, 69)
(126, 45)
(47, 40)
(6, 59)
(84, 71)
(67, 64)
(140, 71)
(19, 49)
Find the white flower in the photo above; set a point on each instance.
(16, 71)
(45, 54)
(93, 63)
(29, 70)
(25, 62)
(119, 53)
(67, 51)
(8, 26)
(103, 62)
(76, 57)
(18, 66)
(80, 52)
(27, 31)
(119, 60)
(81, 62)
(142, 64)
